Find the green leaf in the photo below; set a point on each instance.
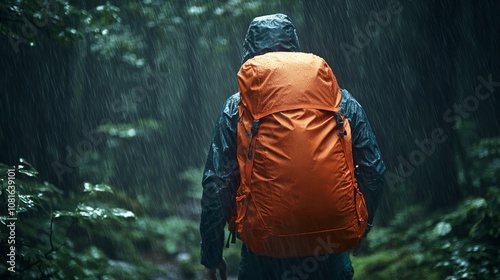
(59, 214)
(88, 187)
(4, 169)
(99, 213)
(22, 160)
(49, 188)
(90, 212)
(122, 213)
(25, 203)
(31, 171)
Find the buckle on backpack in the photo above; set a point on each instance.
(338, 118)
(340, 124)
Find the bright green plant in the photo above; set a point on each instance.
(42, 222)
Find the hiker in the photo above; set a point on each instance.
(271, 40)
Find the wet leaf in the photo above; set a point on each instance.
(88, 187)
(30, 173)
(122, 213)
(59, 214)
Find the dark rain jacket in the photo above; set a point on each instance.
(221, 174)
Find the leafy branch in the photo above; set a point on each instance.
(31, 196)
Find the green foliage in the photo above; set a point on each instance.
(44, 244)
(126, 142)
(182, 235)
(173, 235)
(232, 256)
(23, 19)
(485, 159)
(193, 176)
(141, 128)
(460, 244)
(457, 244)
(188, 269)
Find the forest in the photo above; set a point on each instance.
(107, 110)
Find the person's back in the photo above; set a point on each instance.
(224, 173)
(297, 185)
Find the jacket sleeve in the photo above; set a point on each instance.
(366, 153)
(220, 180)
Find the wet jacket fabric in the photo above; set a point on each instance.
(221, 174)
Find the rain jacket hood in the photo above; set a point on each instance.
(270, 33)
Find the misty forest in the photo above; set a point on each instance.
(107, 110)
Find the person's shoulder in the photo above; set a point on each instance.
(348, 99)
(349, 105)
(235, 98)
(231, 105)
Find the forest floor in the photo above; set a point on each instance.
(454, 244)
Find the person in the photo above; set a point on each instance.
(221, 176)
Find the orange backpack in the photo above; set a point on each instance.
(298, 195)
